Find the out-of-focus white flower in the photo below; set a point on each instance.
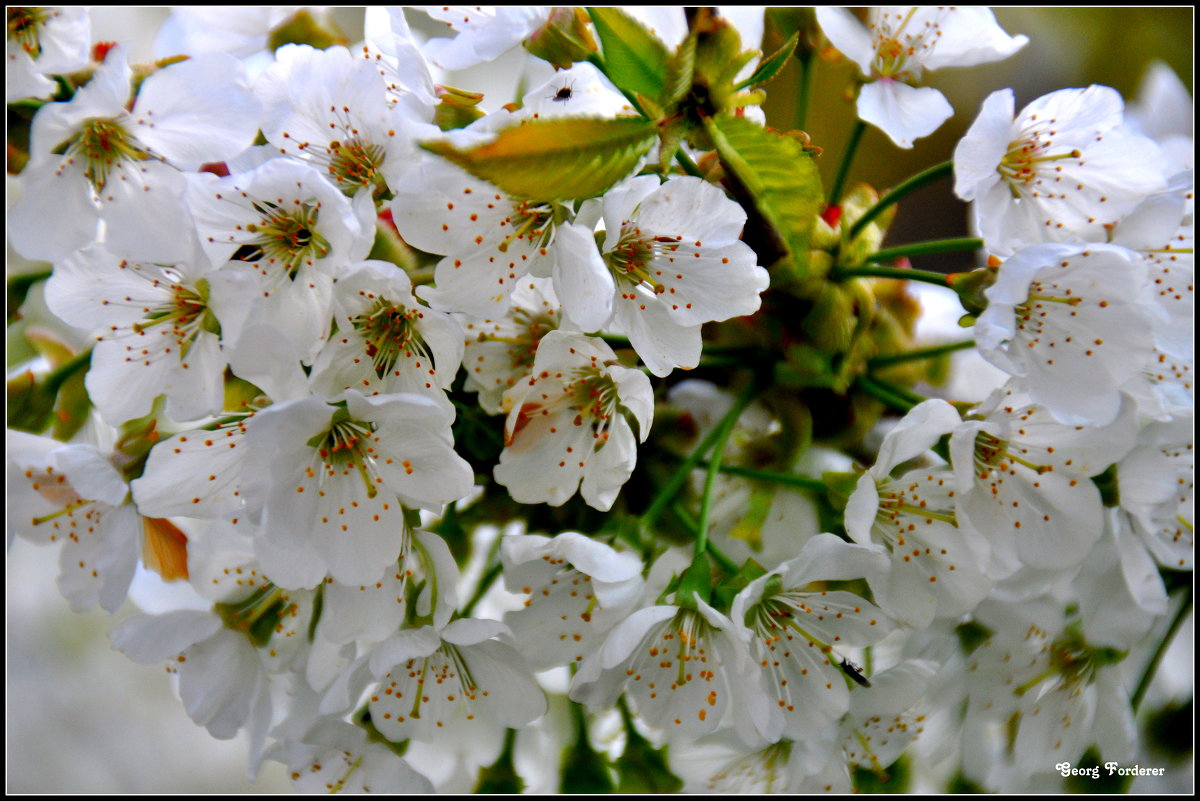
(72, 494)
(463, 676)
(896, 47)
(1163, 111)
(575, 590)
(1157, 488)
(570, 423)
(335, 757)
(1062, 169)
(49, 40)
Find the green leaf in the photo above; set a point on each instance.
(557, 159)
(635, 60)
(681, 69)
(780, 175)
(770, 66)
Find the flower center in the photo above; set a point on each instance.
(992, 451)
(760, 772)
(24, 28)
(103, 144)
(631, 261)
(390, 331)
(534, 223)
(346, 446)
(288, 237)
(1026, 156)
(258, 614)
(354, 163)
(894, 47)
(186, 313)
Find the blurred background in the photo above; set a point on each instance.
(83, 718)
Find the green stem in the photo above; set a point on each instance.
(927, 248)
(725, 429)
(485, 583)
(909, 185)
(787, 479)
(1152, 666)
(806, 72)
(931, 352)
(843, 170)
(885, 393)
(688, 165)
(727, 564)
(668, 491)
(883, 271)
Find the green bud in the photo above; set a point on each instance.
(564, 39)
(831, 323)
(303, 28)
(456, 108)
(971, 287)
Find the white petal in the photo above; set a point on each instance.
(901, 111)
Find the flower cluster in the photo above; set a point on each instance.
(390, 377)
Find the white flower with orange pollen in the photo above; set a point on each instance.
(157, 332)
(800, 633)
(387, 342)
(433, 681)
(672, 260)
(936, 559)
(330, 109)
(1064, 169)
(332, 480)
(898, 44)
(500, 352)
(570, 423)
(281, 235)
(1025, 478)
(490, 240)
(96, 159)
(684, 669)
(576, 589)
(44, 41)
(1075, 323)
(483, 32)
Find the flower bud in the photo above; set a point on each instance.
(564, 39)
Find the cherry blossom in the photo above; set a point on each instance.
(1060, 170)
(898, 45)
(569, 424)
